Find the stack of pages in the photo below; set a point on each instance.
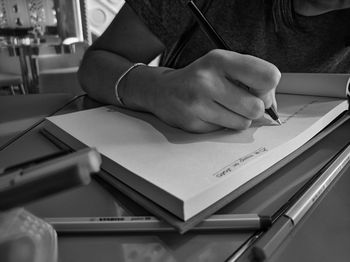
(186, 173)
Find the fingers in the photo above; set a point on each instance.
(239, 100)
(213, 116)
(260, 76)
(216, 114)
(220, 89)
(205, 116)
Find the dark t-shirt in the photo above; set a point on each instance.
(320, 45)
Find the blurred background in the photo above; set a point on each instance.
(42, 42)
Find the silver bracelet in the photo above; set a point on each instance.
(119, 99)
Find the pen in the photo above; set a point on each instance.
(269, 242)
(209, 30)
(21, 185)
(152, 224)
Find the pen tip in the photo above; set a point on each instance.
(279, 121)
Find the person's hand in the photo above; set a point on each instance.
(220, 89)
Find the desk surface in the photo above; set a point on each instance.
(99, 199)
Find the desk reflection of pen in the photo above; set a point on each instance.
(220, 43)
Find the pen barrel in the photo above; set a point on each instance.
(273, 238)
(306, 201)
(235, 222)
(152, 224)
(110, 226)
(45, 183)
(88, 158)
(207, 27)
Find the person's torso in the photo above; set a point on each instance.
(322, 44)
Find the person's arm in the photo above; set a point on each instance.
(200, 97)
(126, 41)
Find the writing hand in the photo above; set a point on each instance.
(220, 89)
(205, 95)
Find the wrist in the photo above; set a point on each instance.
(139, 88)
(120, 83)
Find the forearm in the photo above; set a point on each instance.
(100, 71)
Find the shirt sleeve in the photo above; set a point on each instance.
(166, 19)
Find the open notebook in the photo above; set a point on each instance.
(186, 173)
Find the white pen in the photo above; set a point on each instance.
(152, 224)
(298, 210)
(270, 241)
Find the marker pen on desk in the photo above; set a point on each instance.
(152, 224)
(19, 186)
(209, 30)
(269, 242)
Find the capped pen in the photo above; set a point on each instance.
(284, 225)
(27, 182)
(152, 224)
